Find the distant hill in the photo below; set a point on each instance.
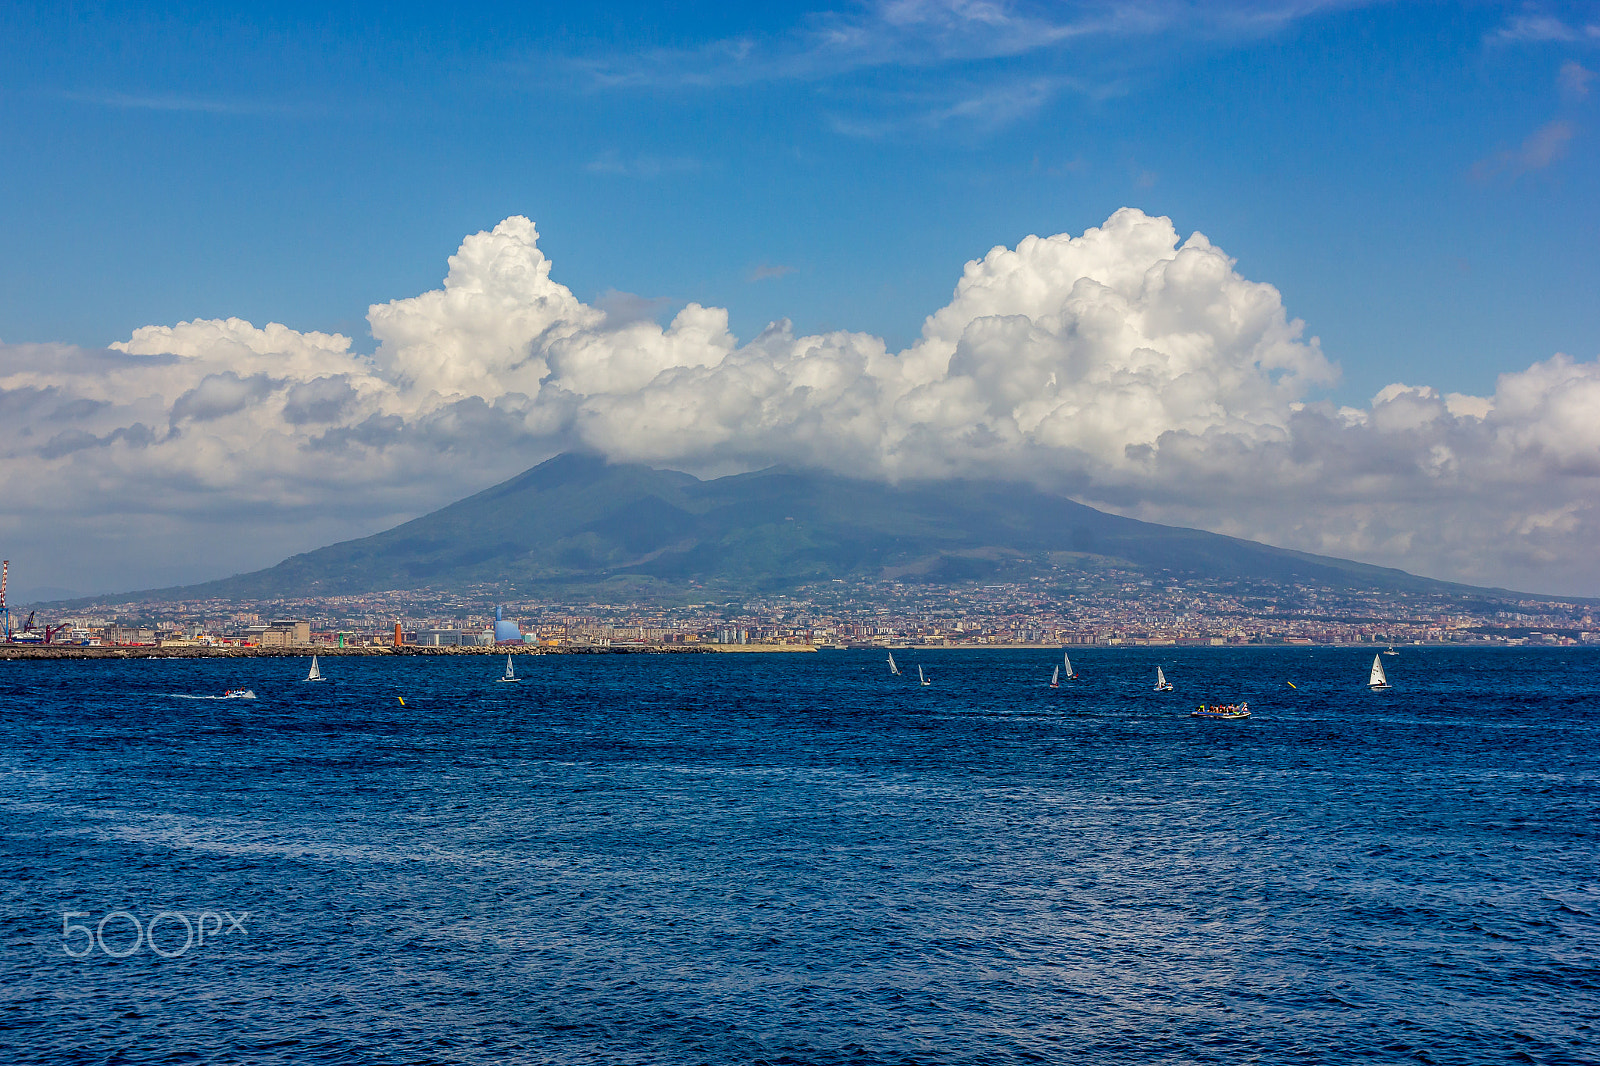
(579, 526)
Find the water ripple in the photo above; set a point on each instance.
(798, 860)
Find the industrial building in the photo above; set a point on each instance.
(454, 638)
(505, 632)
(283, 633)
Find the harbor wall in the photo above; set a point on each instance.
(68, 651)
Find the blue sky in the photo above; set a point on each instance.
(1420, 180)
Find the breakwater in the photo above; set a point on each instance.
(140, 651)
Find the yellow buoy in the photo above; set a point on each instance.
(402, 700)
(1291, 684)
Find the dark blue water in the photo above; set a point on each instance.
(798, 859)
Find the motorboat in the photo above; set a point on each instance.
(1221, 710)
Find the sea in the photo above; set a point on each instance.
(801, 859)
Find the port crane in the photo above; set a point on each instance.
(41, 634)
(48, 632)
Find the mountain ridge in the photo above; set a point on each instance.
(577, 526)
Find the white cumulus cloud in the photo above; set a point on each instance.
(1133, 367)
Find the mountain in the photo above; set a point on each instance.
(577, 526)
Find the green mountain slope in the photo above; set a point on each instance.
(576, 525)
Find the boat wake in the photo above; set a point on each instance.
(239, 694)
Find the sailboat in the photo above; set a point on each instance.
(316, 672)
(510, 674)
(1162, 684)
(1067, 662)
(921, 676)
(1376, 681)
(893, 669)
(1055, 678)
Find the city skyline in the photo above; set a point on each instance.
(1120, 609)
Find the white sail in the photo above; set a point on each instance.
(893, 669)
(1161, 680)
(316, 673)
(1055, 677)
(921, 677)
(510, 674)
(1066, 661)
(1377, 679)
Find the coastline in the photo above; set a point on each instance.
(23, 652)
